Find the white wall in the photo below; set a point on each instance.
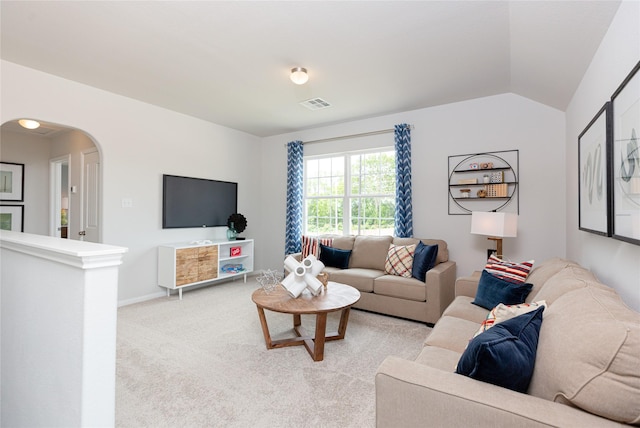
(138, 142)
(501, 122)
(33, 152)
(617, 263)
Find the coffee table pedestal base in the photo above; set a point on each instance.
(313, 344)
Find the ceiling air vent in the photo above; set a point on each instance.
(315, 104)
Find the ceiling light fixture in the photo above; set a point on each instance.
(29, 124)
(299, 75)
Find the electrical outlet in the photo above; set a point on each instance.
(127, 203)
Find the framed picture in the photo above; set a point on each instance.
(626, 159)
(12, 217)
(11, 181)
(594, 193)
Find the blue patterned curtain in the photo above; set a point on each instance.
(295, 184)
(404, 207)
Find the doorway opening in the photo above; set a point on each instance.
(60, 192)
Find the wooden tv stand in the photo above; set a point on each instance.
(185, 264)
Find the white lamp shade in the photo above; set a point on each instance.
(502, 225)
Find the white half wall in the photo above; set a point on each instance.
(58, 331)
(615, 262)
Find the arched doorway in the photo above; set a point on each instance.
(62, 180)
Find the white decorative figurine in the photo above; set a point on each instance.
(303, 275)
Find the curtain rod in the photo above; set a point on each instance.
(344, 137)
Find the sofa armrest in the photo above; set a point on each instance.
(468, 285)
(440, 284)
(410, 394)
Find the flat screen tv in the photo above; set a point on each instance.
(197, 202)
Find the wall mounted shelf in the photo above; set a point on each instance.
(484, 182)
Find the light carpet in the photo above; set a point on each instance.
(202, 362)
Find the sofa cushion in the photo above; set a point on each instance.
(462, 307)
(361, 279)
(443, 251)
(509, 271)
(424, 258)
(370, 252)
(504, 312)
(452, 333)
(543, 271)
(401, 287)
(438, 358)
(568, 279)
(493, 290)
(506, 354)
(310, 245)
(334, 257)
(343, 242)
(400, 260)
(588, 355)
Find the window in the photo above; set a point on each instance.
(350, 193)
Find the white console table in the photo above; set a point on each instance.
(185, 264)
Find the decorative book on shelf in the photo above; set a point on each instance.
(497, 177)
(497, 190)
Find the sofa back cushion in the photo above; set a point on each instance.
(443, 251)
(588, 354)
(370, 252)
(568, 279)
(542, 272)
(343, 242)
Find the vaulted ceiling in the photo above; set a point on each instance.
(228, 62)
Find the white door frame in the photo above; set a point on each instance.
(55, 193)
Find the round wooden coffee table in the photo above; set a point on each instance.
(334, 298)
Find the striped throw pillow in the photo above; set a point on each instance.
(504, 312)
(310, 245)
(400, 260)
(509, 271)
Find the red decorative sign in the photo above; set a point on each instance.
(236, 251)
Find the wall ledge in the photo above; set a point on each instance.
(79, 254)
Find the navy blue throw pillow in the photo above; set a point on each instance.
(504, 355)
(492, 291)
(424, 259)
(334, 257)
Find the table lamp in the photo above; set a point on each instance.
(495, 226)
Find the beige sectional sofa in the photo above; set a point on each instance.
(586, 373)
(390, 294)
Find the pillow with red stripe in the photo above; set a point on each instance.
(399, 260)
(310, 245)
(504, 312)
(509, 271)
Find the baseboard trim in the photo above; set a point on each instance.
(164, 293)
(141, 298)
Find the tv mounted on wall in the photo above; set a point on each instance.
(197, 202)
